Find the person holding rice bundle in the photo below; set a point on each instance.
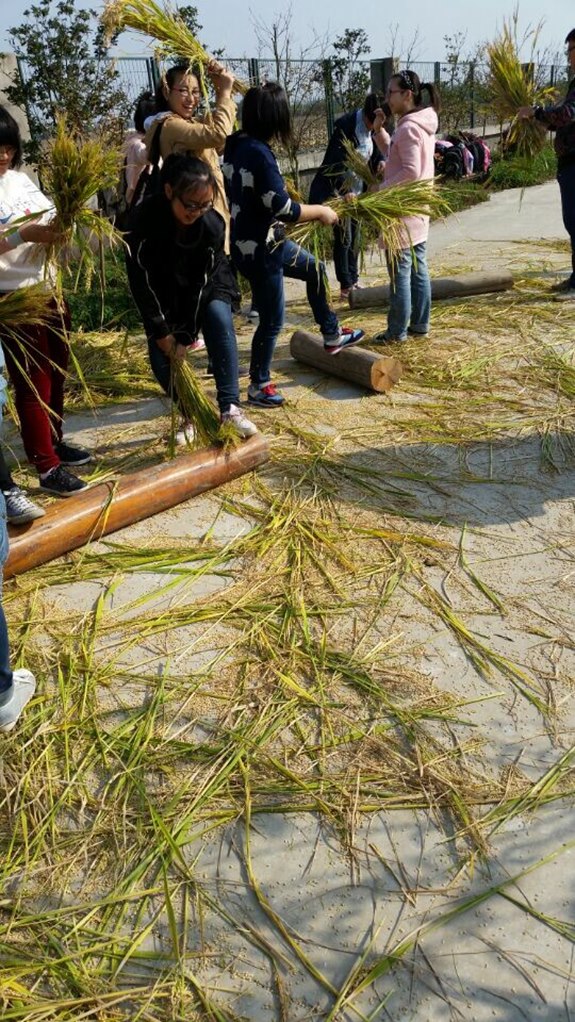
(182, 282)
(411, 158)
(177, 99)
(37, 359)
(560, 118)
(260, 207)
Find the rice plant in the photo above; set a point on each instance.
(162, 23)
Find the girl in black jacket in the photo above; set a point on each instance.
(182, 282)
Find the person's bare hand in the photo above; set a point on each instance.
(379, 119)
(328, 216)
(167, 344)
(222, 79)
(40, 234)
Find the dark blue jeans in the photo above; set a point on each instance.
(409, 293)
(5, 672)
(266, 279)
(218, 329)
(345, 241)
(566, 179)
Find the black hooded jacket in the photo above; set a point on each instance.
(174, 271)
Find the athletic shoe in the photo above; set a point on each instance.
(565, 295)
(185, 435)
(197, 345)
(564, 285)
(344, 339)
(266, 396)
(417, 333)
(19, 508)
(384, 338)
(241, 424)
(16, 698)
(61, 482)
(252, 315)
(344, 293)
(70, 455)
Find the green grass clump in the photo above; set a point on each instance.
(522, 171)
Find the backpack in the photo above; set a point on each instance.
(148, 181)
(454, 162)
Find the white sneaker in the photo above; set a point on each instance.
(185, 435)
(19, 695)
(19, 508)
(197, 345)
(238, 420)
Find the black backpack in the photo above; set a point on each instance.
(148, 181)
(453, 162)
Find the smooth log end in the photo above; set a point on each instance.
(385, 373)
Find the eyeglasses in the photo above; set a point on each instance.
(189, 93)
(196, 207)
(391, 91)
(7, 150)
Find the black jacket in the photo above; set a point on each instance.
(330, 178)
(173, 271)
(560, 118)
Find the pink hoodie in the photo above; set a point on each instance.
(411, 159)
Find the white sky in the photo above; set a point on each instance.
(226, 26)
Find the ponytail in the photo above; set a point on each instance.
(409, 81)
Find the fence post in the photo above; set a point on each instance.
(154, 73)
(329, 99)
(472, 94)
(380, 71)
(437, 72)
(254, 77)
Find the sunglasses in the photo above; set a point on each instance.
(196, 207)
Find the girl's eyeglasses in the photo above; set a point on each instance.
(197, 207)
(7, 150)
(188, 93)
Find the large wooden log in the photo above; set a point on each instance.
(357, 365)
(109, 506)
(461, 286)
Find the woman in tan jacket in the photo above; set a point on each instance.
(177, 99)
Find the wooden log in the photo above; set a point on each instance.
(107, 507)
(357, 365)
(461, 286)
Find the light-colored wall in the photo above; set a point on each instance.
(7, 67)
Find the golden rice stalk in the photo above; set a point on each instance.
(197, 408)
(356, 165)
(163, 24)
(380, 212)
(74, 170)
(512, 84)
(28, 306)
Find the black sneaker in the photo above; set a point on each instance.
(61, 482)
(69, 455)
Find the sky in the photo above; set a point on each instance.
(226, 25)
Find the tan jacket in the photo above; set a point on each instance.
(204, 139)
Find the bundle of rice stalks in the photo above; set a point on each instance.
(28, 306)
(513, 84)
(163, 24)
(74, 170)
(379, 213)
(357, 166)
(197, 408)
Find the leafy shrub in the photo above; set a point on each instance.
(522, 171)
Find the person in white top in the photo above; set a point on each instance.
(37, 360)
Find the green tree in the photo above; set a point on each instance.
(63, 68)
(349, 70)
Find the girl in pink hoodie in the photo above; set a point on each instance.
(411, 152)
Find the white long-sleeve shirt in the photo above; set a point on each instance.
(19, 196)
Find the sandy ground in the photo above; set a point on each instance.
(495, 961)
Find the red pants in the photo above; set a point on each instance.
(36, 365)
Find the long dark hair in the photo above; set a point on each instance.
(167, 82)
(266, 113)
(410, 81)
(182, 171)
(10, 136)
(145, 107)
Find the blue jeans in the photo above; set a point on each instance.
(566, 180)
(267, 282)
(345, 240)
(410, 293)
(218, 329)
(5, 672)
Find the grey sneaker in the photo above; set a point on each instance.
(19, 508)
(16, 698)
(241, 424)
(185, 435)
